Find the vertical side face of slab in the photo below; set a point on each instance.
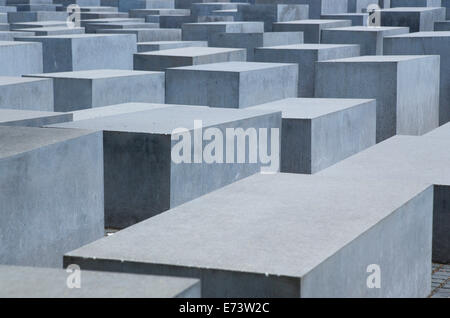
(51, 201)
(441, 224)
(17, 60)
(366, 40)
(145, 88)
(399, 244)
(296, 146)
(72, 94)
(191, 180)
(34, 95)
(339, 135)
(137, 174)
(418, 101)
(362, 80)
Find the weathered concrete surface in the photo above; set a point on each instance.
(306, 56)
(202, 31)
(26, 93)
(18, 58)
(167, 45)
(442, 26)
(316, 7)
(28, 282)
(317, 133)
(79, 52)
(403, 106)
(417, 19)
(325, 232)
(161, 60)
(409, 159)
(146, 35)
(231, 84)
(357, 19)
(437, 43)
(28, 118)
(251, 41)
(51, 194)
(370, 39)
(141, 177)
(311, 28)
(101, 87)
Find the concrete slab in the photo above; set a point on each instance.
(54, 30)
(357, 19)
(370, 39)
(416, 18)
(408, 159)
(403, 106)
(80, 52)
(251, 41)
(311, 28)
(202, 31)
(28, 118)
(142, 175)
(66, 206)
(93, 27)
(146, 35)
(161, 60)
(325, 232)
(316, 7)
(167, 45)
(26, 93)
(437, 43)
(442, 26)
(305, 56)
(28, 282)
(231, 84)
(94, 88)
(317, 133)
(10, 35)
(18, 58)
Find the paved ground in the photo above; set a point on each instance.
(440, 281)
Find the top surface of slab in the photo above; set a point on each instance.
(7, 115)
(10, 80)
(309, 219)
(409, 9)
(165, 120)
(93, 74)
(377, 58)
(367, 28)
(18, 281)
(223, 23)
(231, 66)
(112, 110)
(72, 36)
(307, 46)
(13, 43)
(307, 108)
(442, 131)
(425, 34)
(311, 21)
(16, 140)
(191, 51)
(406, 158)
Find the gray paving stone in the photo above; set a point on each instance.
(161, 60)
(26, 93)
(317, 133)
(49, 213)
(28, 282)
(28, 118)
(305, 55)
(311, 28)
(141, 177)
(18, 58)
(94, 88)
(370, 39)
(231, 84)
(79, 52)
(403, 107)
(408, 158)
(437, 43)
(325, 232)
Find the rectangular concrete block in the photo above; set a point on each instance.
(415, 3)
(316, 7)
(317, 133)
(38, 24)
(442, 26)
(67, 206)
(88, 89)
(416, 18)
(251, 41)
(54, 30)
(325, 234)
(26, 93)
(357, 19)
(28, 282)
(358, 6)
(93, 27)
(271, 13)
(231, 84)
(311, 28)
(18, 58)
(149, 34)
(202, 31)
(370, 39)
(306, 56)
(24, 16)
(437, 43)
(142, 176)
(409, 159)
(167, 45)
(28, 118)
(80, 52)
(161, 60)
(404, 106)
